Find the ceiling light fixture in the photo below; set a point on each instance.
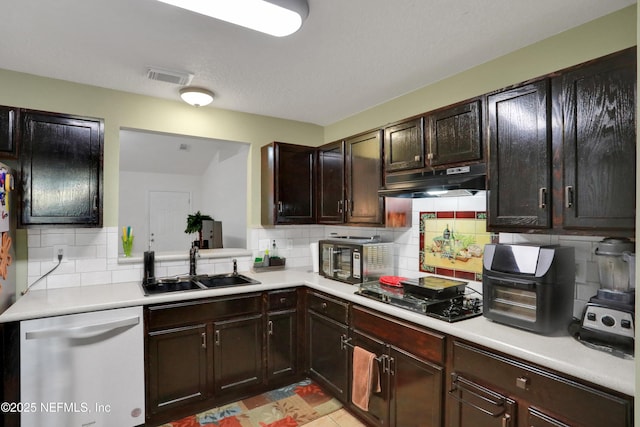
(196, 96)
(278, 18)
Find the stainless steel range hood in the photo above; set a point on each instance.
(458, 181)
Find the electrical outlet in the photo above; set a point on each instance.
(60, 250)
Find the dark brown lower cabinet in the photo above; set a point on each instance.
(237, 353)
(411, 385)
(281, 344)
(178, 368)
(328, 362)
(491, 389)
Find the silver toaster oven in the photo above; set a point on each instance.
(355, 260)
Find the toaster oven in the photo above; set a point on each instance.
(355, 260)
(529, 286)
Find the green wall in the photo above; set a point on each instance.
(597, 38)
(125, 110)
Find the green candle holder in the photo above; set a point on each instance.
(127, 245)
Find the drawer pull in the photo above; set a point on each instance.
(217, 336)
(283, 300)
(522, 383)
(203, 336)
(324, 306)
(270, 327)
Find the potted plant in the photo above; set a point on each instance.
(194, 225)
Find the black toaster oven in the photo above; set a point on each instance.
(529, 286)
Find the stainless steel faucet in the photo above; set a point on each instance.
(235, 267)
(193, 253)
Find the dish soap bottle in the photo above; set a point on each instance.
(265, 258)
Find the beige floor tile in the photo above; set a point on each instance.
(325, 421)
(344, 419)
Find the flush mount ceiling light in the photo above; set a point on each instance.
(196, 96)
(274, 17)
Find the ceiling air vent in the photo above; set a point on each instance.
(169, 76)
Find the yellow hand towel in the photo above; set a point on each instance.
(365, 377)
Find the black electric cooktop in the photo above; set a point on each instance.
(464, 303)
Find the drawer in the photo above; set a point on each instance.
(332, 308)
(406, 336)
(281, 300)
(575, 401)
(201, 311)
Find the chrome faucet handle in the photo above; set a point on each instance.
(235, 267)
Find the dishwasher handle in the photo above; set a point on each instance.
(86, 331)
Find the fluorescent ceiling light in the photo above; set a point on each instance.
(198, 97)
(276, 17)
(437, 192)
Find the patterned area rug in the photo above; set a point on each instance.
(290, 406)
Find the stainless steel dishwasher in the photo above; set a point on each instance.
(83, 369)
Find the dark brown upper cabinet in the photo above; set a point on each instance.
(288, 184)
(598, 104)
(61, 170)
(454, 134)
(404, 146)
(562, 151)
(330, 195)
(9, 132)
(363, 168)
(520, 157)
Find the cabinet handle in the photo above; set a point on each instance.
(324, 306)
(340, 203)
(568, 196)
(522, 383)
(417, 158)
(95, 203)
(217, 337)
(542, 198)
(203, 336)
(283, 300)
(391, 365)
(279, 206)
(506, 420)
(270, 327)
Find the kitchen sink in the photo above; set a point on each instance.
(222, 280)
(193, 283)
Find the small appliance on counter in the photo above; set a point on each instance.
(355, 260)
(529, 286)
(608, 320)
(444, 299)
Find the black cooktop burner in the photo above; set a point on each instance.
(450, 309)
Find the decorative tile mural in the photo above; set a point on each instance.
(452, 243)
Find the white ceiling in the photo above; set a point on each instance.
(349, 55)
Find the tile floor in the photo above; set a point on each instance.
(339, 418)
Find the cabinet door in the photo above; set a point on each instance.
(177, 368)
(237, 353)
(328, 361)
(404, 146)
(287, 181)
(61, 170)
(536, 418)
(378, 412)
(9, 129)
(416, 391)
(331, 183)
(600, 144)
(281, 344)
(471, 405)
(520, 157)
(454, 135)
(364, 178)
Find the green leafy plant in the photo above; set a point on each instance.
(194, 225)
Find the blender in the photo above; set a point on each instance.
(608, 319)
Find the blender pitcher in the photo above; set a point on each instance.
(613, 268)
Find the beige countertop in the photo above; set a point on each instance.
(560, 352)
